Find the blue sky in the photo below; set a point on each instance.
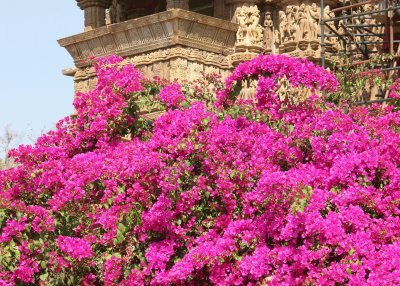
(34, 94)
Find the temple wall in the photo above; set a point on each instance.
(177, 63)
(178, 44)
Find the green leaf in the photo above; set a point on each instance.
(44, 276)
(121, 227)
(117, 255)
(236, 256)
(233, 173)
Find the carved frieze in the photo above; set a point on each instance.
(179, 63)
(154, 32)
(249, 35)
(299, 29)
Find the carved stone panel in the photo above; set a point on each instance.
(249, 35)
(299, 29)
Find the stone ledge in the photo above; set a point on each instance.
(142, 35)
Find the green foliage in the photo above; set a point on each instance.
(357, 82)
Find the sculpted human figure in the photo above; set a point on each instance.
(341, 31)
(305, 25)
(250, 31)
(255, 29)
(315, 20)
(283, 27)
(292, 22)
(241, 20)
(268, 31)
(333, 40)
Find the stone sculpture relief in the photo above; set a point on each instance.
(292, 22)
(250, 32)
(298, 30)
(308, 26)
(283, 28)
(268, 32)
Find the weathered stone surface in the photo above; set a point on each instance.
(179, 44)
(95, 12)
(143, 35)
(175, 44)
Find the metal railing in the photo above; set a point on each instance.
(359, 35)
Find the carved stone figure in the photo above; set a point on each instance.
(283, 28)
(316, 20)
(292, 22)
(248, 89)
(241, 20)
(268, 31)
(250, 31)
(306, 27)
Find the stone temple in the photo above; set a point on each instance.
(180, 39)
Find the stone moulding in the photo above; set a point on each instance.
(204, 57)
(174, 27)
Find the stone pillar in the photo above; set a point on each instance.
(219, 9)
(178, 4)
(95, 12)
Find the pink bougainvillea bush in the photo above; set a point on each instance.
(262, 191)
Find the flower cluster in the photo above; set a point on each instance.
(74, 247)
(172, 95)
(271, 191)
(395, 90)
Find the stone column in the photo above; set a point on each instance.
(95, 12)
(219, 9)
(178, 4)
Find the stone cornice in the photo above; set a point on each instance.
(175, 27)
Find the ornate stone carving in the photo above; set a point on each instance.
(307, 29)
(283, 35)
(332, 44)
(173, 63)
(249, 35)
(249, 88)
(268, 38)
(191, 54)
(155, 32)
(292, 22)
(239, 57)
(299, 29)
